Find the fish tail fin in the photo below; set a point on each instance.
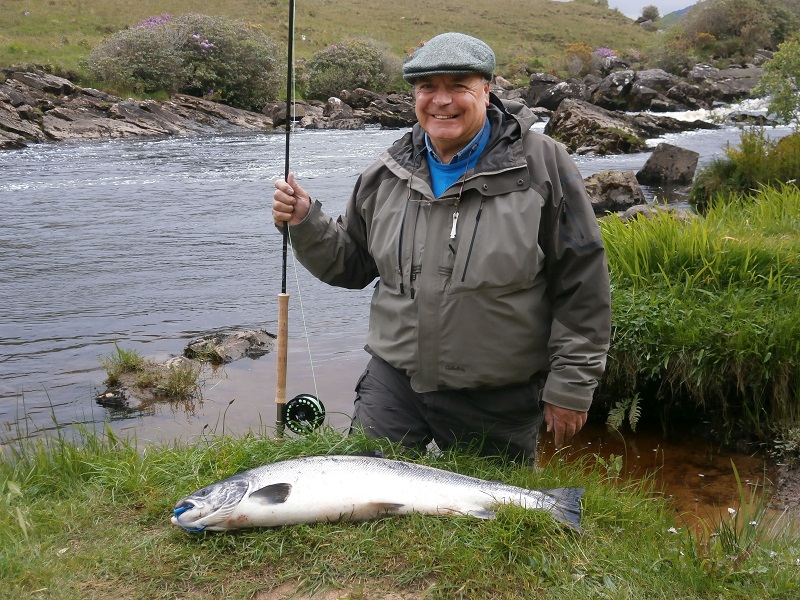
(567, 508)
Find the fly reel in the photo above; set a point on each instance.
(304, 413)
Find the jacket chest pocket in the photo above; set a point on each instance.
(496, 245)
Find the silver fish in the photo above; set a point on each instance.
(356, 488)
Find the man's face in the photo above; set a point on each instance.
(452, 109)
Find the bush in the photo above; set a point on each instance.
(740, 26)
(347, 65)
(216, 57)
(781, 81)
(758, 161)
(675, 54)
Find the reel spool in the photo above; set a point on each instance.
(304, 413)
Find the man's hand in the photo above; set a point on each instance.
(290, 202)
(563, 422)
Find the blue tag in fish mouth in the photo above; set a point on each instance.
(178, 512)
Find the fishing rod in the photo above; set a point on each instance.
(305, 412)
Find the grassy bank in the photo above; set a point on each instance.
(90, 520)
(707, 316)
(62, 33)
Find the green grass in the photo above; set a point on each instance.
(90, 520)
(179, 382)
(62, 33)
(707, 313)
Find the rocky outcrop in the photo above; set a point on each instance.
(622, 88)
(37, 107)
(585, 128)
(590, 115)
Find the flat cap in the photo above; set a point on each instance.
(450, 53)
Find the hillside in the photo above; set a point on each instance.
(63, 33)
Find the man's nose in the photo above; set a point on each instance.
(442, 96)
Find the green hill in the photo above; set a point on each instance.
(63, 33)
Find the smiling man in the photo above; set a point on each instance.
(492, 309)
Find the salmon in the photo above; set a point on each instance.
(357, 488)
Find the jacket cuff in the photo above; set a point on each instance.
(572, 399)
(305, 229)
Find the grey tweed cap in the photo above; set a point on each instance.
(450, 53)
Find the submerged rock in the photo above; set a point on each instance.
(220, 348)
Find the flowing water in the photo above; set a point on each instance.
(149, 243)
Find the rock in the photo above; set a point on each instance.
(648, 211)
(585, 128)
(220, 116)
(50, 84)
(336, 109)
(650, 125)
(359, 97)
(317, 122)
(656, 79)
(613, 91)
(219, 348)
(552, 98)
(502, 83)
(669, 164)
(36, 107)
(394, 111)
(16, 128)
(11, 141)
(65, 123)
(540, 83)
(613, 191)
(642, 97)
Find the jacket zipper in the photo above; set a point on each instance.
(472, 241)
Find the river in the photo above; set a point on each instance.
(149, 243)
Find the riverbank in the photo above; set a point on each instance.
(91, 519)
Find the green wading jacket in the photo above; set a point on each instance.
(521, 290)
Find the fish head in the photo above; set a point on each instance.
(210, 507)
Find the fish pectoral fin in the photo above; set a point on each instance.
(386, 507)
(276, 493)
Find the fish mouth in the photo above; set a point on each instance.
(190, 522)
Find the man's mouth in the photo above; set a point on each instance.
(444, 117)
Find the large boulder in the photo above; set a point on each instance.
(613, 91)
(669, 164)
(552, 98)
(585, 128)
(394, 111)
(613, 191)
(540, 84)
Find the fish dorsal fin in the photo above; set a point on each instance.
(275, 493)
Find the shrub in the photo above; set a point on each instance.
(193, 54)
(675, 55)
(758, 161)
(740, 26)
(577, 59)
(350, 64)
(781, 81)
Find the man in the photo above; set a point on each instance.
(492, 308)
